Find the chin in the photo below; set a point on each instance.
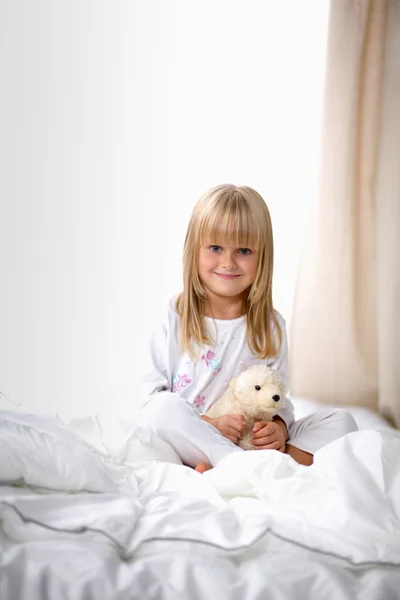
(229, 293)
(228, 288)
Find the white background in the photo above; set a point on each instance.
(114, 118)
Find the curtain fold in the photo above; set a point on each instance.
(388, 226)
(345, 325)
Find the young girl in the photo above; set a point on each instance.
(222, 323)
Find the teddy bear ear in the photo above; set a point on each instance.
(232, 384)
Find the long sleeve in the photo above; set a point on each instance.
(155, 379)
(281, 363)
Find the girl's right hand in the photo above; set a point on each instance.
(230, 426)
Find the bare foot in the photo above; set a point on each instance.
(202, 467)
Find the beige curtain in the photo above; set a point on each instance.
(345, 333)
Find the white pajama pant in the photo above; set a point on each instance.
(194, 440)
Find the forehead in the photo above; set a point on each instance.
(230, 220)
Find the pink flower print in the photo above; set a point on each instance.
(242, 367)
(209, 356)
(179, 382)
(211, 361)
(199, 401)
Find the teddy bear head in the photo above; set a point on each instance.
(259, 390)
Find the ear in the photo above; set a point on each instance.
(232, 384)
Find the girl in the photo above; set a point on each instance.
(221, 323)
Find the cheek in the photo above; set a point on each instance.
(254, 269)
(206, 262)
(250, 267)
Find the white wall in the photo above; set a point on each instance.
(114, 118)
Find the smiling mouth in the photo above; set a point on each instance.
(227, 276)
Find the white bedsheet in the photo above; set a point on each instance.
(257, 526)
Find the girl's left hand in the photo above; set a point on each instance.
(270, 435)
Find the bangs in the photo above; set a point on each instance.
(231, 220)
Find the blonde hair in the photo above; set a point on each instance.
(239, 215)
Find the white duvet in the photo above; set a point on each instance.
(104, 509)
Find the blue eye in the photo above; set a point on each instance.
(244, 251)
(215, 248)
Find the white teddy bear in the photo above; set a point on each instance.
(257, 394)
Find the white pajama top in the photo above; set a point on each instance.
(201, 382)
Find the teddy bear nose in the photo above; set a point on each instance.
(276, 398)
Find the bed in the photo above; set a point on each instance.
(102, 508)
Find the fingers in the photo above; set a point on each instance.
(263, 429)
(236, 423)
(238, 418)
(258, 426)
(233, 433)
(267, 443)
(264, 441)
(231, 426)
(235, 429)
(268, 436)
(273, 446)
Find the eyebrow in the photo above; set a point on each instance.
(222, 245)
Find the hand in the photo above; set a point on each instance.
(270, 435)
(230, 426)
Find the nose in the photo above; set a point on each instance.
(229, 261)
(276, 398)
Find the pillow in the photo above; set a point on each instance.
(45, 453)
(364, 417)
